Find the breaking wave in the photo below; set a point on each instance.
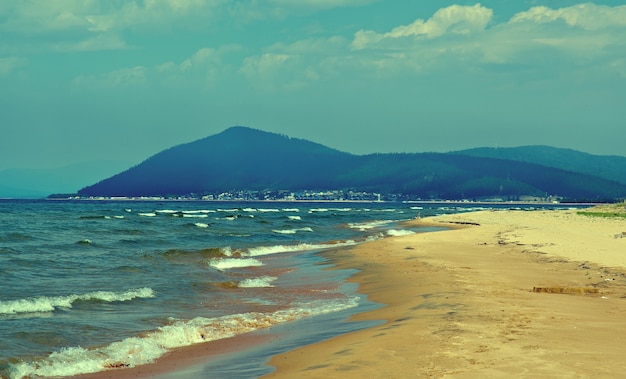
(135, 351)
(264, 281)
(292, 231)
(51, 303)
(228, 263)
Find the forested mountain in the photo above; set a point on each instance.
(603, 166)
(247, 159)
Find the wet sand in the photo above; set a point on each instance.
(522, 294)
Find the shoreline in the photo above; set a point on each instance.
(470, 302)
(460, 303)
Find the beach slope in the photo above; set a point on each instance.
(505, 293)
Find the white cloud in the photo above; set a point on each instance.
(74, 25)
(294, 65)
(586, 16)
(98, 16)
(268, 70)
(467, 39)
(203, 68)
(455, 19)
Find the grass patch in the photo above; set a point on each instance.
(603, 214)
(606, 211)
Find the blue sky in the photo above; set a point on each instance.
(88, 81)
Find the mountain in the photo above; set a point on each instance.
(241, 158)
(238, 158)
(603, 166)
(39, 183)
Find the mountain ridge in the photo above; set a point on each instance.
(612, 167)
(242, 158)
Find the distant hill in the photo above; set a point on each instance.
(241, 158)
(603, 166)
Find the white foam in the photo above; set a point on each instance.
(227, 263)
(201, 225)
(276, 249)
(264, 281)
(291, 210)
(269, 210)
(51, 303)
(135, 351)
(401, 232)
(149, 214)
(296, 218)
(195, 215)
(369, 225)
(292, 231)
(313, 210)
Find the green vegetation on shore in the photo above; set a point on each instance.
(606, 210)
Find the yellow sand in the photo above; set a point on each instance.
(460, 303)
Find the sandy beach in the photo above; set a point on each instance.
(505, 294)
(501, 294)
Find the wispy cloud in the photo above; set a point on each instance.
(458, 39)
(76, 25)
(10, 64)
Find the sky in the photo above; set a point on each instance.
(89, 81)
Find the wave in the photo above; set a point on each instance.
(264, 281)
(318, 210)
(401, 232)
(201, 225)
(147, 214)
(365, 226)
(276, 249)
(204, 211)
(194, 215)
(166, 211)
(228, 263)
(292, 231)
(135, 351)
(51, 303)
(297, 218)
(178, 255)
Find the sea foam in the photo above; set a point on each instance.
(401, 232)
(364, 226)
(227, 263)
(264, 281)
(292, 231)
(135, 351)
(276, 249)
(51, 303)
